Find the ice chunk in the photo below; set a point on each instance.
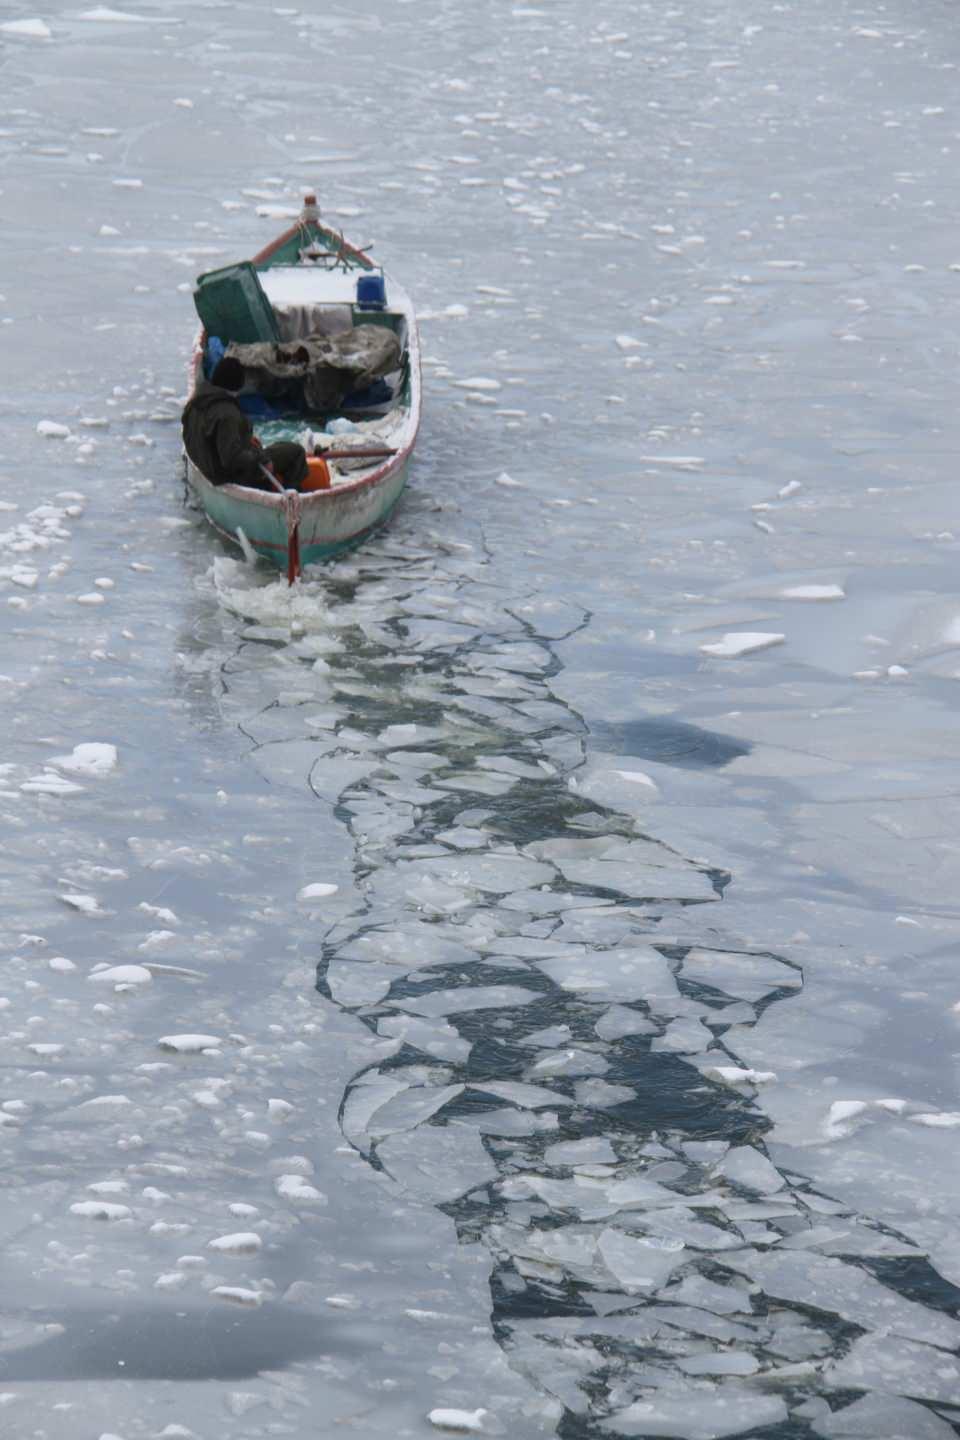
(746, 977)
(245, 1242)
(295, 1188)
(438, 1163)
(851, 1293)
(814, 592)
(883, 1417)
(358, 982)
(34, 30)
(458, 1420)
(492, 871)
(742, 642)
(189, 1044)
(639, 973)
(434, 1037)
(752, 1170)
(843, 1118)
(476, 997)
(122, 975)
(86, 904)
(708, 1295)
(595, 1150)
(50, 783)
(530, 1097)
(679, 1224)
(599, 1095)
(363, 1100)
(100, 1210)
(684, 1036)
(410, 1108)
(92, 758)
(238, 1295)
(568, 1062)
(734, 1075)
(478, 382)
(904, 1368)
(619, 1021)
(639, 1262)
(319, 890)
(719, 1362)
(699, 1414)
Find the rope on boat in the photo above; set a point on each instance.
(291, 510)
(291, 514)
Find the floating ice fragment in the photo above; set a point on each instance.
(51, 429)
(463, 1420)
(723, 1362)
(294, 1187)
(733, 1075)
(478, 382)
(599, 1095)
(814, 592)
(883, 1417)
(317, 891)
(245, 1242)
(189, 1044)
(637, 777)
(236, 1295)
(159, 912)
(529, 1097)
(678, 462)
(508, 482)
(122, 975)
(699, 1414)
(156, 940)
(752, 1170)
(639, 1262)
(100, 1210)
(629, 342)
(938, 1120)
(86, 904)
(841, 1114)
(93, 758)
(34, 29)
(104, 1103)
(741, 642)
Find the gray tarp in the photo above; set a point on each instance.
(328, 366)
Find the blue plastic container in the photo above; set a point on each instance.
(371, 292)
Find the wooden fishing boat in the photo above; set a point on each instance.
(306, 276)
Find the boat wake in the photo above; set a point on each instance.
(563, 1003)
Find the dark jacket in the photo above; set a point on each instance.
(218, 438)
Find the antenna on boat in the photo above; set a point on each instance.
(311, 210)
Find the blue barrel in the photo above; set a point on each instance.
(371, 292)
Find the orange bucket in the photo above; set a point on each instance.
(318, 474)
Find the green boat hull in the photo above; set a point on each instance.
(330, 522)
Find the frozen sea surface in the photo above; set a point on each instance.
(494, 988)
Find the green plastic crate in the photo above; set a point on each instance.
(231, 303)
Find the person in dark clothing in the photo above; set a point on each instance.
(220, 441)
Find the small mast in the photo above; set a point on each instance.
(311, 210)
